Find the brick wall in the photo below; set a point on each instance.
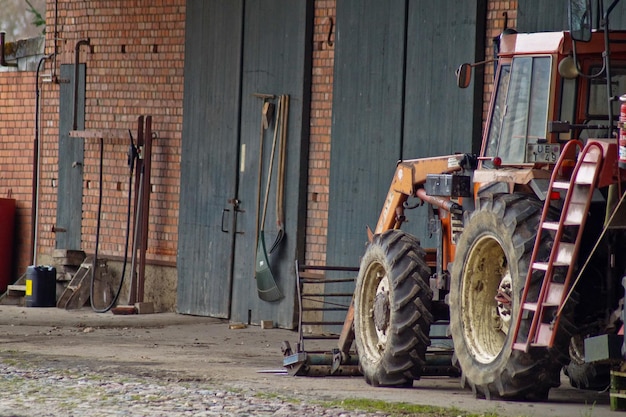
(17, 125)
(134, 67)
(321, 119)
(495, 25)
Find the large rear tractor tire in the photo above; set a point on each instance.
(488, 276)
(391, 310)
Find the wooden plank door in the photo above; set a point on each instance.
(209, 158)
(70, 164)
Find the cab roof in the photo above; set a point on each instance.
(556, 43)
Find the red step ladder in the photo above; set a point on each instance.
(563, 254)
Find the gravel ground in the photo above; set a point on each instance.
(46, 391)
(78, 363)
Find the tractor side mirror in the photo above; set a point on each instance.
(568, 68)
(580, 19)
(464, 75)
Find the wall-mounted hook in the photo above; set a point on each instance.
(331, 27)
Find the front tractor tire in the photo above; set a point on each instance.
(488, 276)
(391, 310)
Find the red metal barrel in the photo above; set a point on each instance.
(7, 228)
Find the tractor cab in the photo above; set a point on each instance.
(549, 89)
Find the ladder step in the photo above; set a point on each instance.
(534, 306)
(520, 346)
(580, 195)
(561, 185)
(584, 177)
(555, 225)
(565, 253)
(540, 266)
(530, 306)
(576, 214)
(544, 334)
(593, 157)
(586, 174)
(550, 225)
(543, 266)
(555, 294)
(543, 339)
(553, 297)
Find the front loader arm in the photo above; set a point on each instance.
(409, 176)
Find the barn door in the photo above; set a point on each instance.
(440, 118)
(235, 51)
(276, 60)
(400, 101)
(367, 120)
(208, 194)
(395, 97)
(71, 156)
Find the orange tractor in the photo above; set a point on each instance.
(527, 267)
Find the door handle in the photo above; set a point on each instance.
(236, 209)
(223, 216)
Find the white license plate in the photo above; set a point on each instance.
(543, 153)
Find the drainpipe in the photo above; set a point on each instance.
(3, 61)
(35, 184)
(56, 41)
(76, 62)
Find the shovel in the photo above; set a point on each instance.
(265, 282)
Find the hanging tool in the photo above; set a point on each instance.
(280, 190)
(267, 113)
(266, 284)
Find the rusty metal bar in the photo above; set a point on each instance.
(132, 298)
(145, 212)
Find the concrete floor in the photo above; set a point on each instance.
(205, 348)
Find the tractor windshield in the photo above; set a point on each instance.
(520, 111)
